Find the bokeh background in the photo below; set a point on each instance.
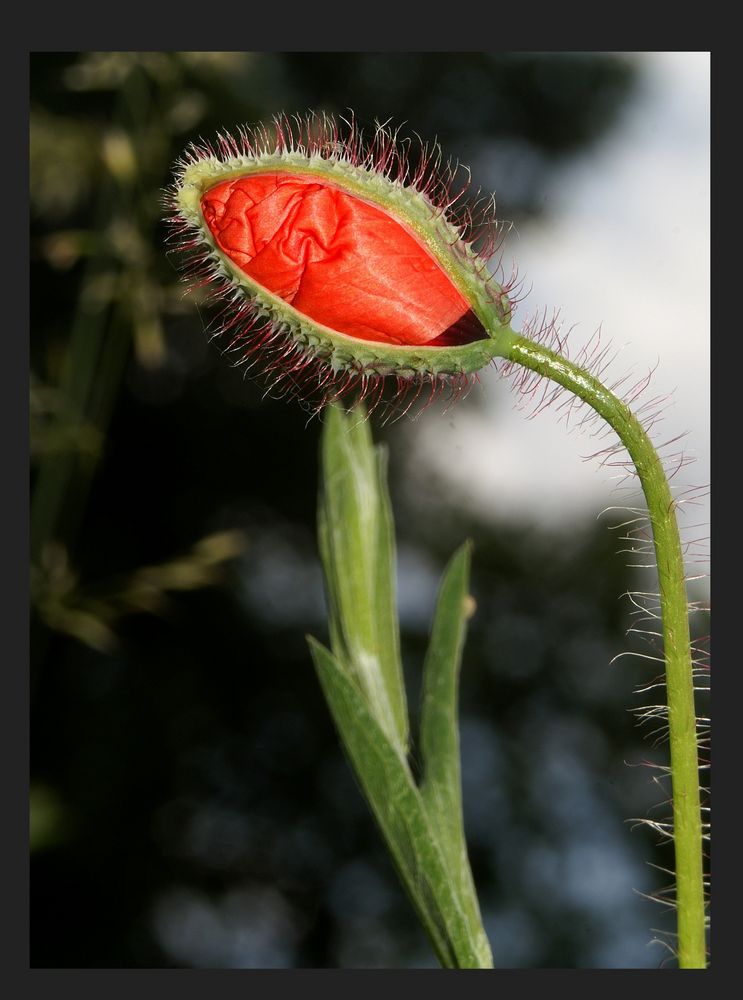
(190, 804)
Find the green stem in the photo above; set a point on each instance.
(672, 585)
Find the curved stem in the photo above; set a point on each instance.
(672, 585)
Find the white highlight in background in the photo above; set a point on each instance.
(624, 246)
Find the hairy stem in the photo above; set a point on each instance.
(679, 683)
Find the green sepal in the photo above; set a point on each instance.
(412, 208)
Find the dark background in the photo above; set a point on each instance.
(190, 804)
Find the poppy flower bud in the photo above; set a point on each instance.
(339, 263)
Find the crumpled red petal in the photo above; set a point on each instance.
(339, 260)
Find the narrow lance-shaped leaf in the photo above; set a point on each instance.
(441, 787)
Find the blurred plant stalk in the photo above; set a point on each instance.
(65, 607)
(115, 305)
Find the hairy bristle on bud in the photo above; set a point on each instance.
(340, 265)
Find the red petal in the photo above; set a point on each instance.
(339, 260)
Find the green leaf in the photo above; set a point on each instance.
(385, 599)
(358, 552)
(396, 803)
(441, 786)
